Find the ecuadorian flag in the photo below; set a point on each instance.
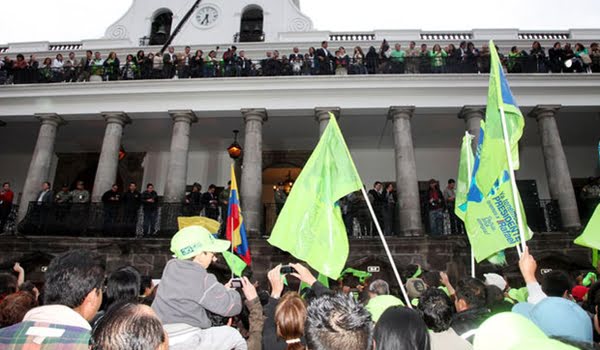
(236, 230)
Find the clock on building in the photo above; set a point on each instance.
(207, 16)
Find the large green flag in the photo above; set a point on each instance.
(310, 225)
(465, 170)
(493, 154)
(591, 234)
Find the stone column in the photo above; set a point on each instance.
(473, 115)
(409, 205)
(557, 169)
(39, 167)
(322, 116)
(178, 158)
(251, 186)
(109, 156)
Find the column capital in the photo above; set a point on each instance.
(183, 115)
(472, 111)
(544, 111)
(322, 113)
(398, 112)
(120, 118)
(258, 114)
(51, 119)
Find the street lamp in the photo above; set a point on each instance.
(235, 150)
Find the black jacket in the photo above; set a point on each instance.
(469, 320)
(47, 199)
(150, 205)
(132, 200)
(111, 198)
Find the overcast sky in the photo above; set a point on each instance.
(64, 20)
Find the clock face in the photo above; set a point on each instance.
(207, 16)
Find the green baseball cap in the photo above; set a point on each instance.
(193, 240)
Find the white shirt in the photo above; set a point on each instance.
(41, 197)
(57, 64)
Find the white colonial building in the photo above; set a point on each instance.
(403, 128)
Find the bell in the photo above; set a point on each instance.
(162, 30)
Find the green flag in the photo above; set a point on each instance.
(465, 169)
(310, 225)
(591, 234)
(493, 152)
(236, 264)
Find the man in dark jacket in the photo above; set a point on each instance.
(378, 200)
(325, 57)
(131, 201)
(210, 203)
(150, 204)
(471, 308)
(111, 201)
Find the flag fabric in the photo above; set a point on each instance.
(493, 152)
(465, 170)
(590, 237)
(310, 225)
(211, 225)
(490, 214)
(235, 228)
(236, 265)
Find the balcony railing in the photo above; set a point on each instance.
(352, 37)
(65, 47)
(545, 36)
(447, 36)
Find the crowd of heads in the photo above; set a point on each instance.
(194, 306)
(464, 57)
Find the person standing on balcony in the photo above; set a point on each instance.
(71, 67)
(97, 66)
(197, 64)
(80, 195)
(150, 205)
(372, 60)
(131, 70)
(280, 198)
(112, 67)
(342, 61)
(79, 210)
(556, 58)
(194, 199)
(453, 59)
(378, 201)
(412, 59)
(184, 61)
(358, 62)
(169, 63)
(132, 199)
(435, 208)
(424, 60)
(325, 59)
(538, 58)
(111, 200)
(471, 59)
(211, 203)
(63, 202)
(438, 59)
(384, 57)
(456, 226)
(224, 205)
(86, 66)
(389, 210)
(6, 203)
(397, 57)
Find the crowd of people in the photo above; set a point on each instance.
(195, 305)
(387, 59)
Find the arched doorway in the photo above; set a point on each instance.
(251, 27)
(161, 27)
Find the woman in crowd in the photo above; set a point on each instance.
(14, 307)
(342, 61)
(372, 60)
(130, 70)
(19, 70)
(141, 62)
(211, 65)
(438, 59)
(515, 59)
(197, 64)
(290, 316)
(157, 65)
(112, 67)
(401, 328)
(556, 58)
(538, 58)
(453, 59)
(435, 208)
(358, 62)
(471, 58)
(46, 71)
(57, 69)
(311, 61)
(572, 63)
(595, 56)
(584, 57)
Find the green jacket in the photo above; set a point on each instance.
(379, 304)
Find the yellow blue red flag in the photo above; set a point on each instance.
(236, 230)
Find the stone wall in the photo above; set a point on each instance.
(150, 256)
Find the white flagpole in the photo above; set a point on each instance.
(513, 182)
(387, 249)
(469, 174)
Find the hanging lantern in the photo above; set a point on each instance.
(235, 150)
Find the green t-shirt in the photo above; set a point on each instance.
(398, 56)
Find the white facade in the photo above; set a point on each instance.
(213, 22)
